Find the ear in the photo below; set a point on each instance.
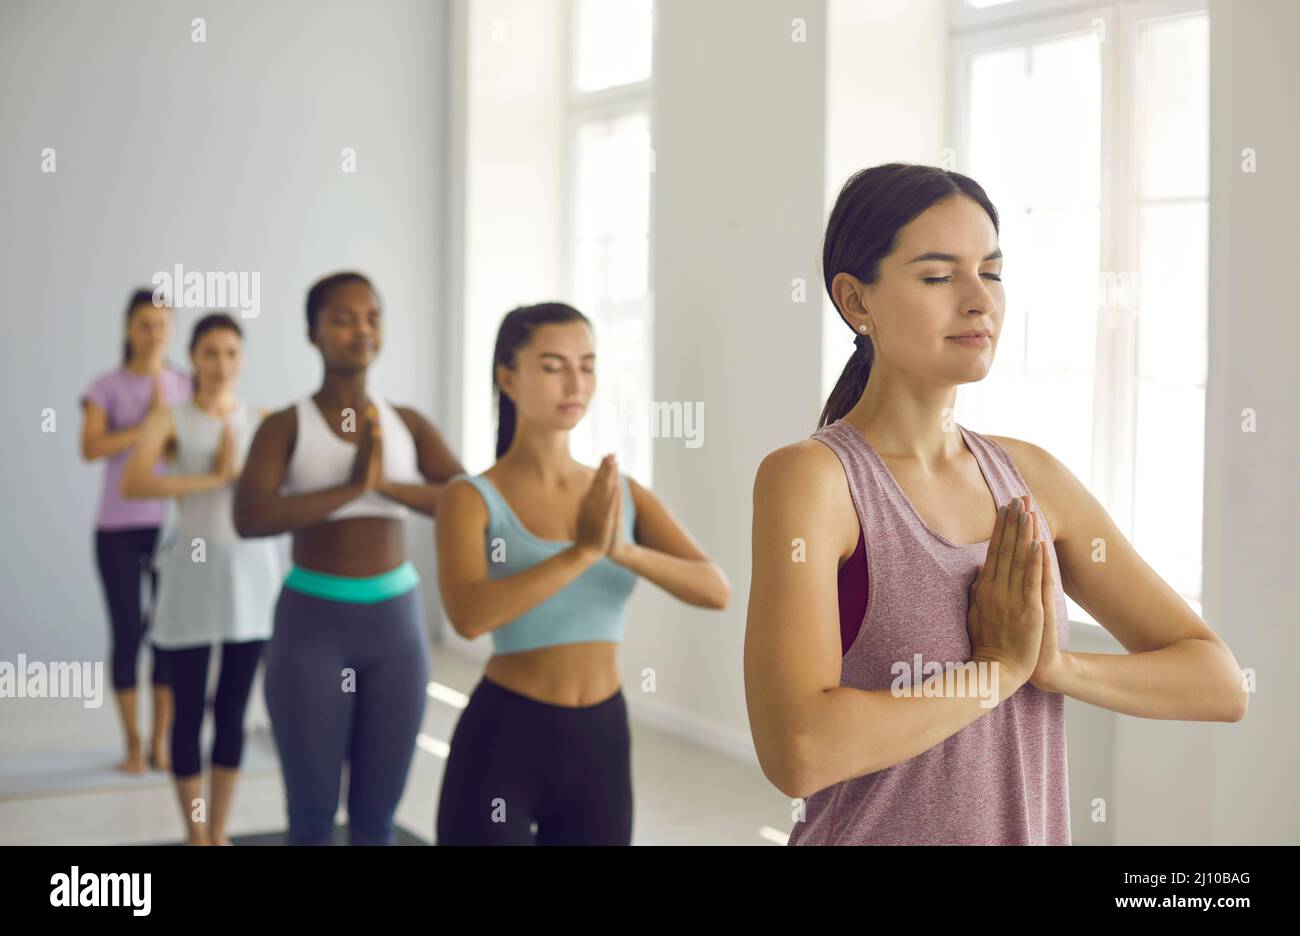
(506, 381)
(849, 294)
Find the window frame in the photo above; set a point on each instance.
(584, 107)
(1115, 374)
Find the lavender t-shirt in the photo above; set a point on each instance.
(125, 396)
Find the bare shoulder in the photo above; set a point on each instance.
(807, 465)
(281, 420)
(804, 481)
(644, 499)
(461, 499)
(1050, 481)
(1031, 459)
(413, 419)
(278, 430)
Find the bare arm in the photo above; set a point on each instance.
(810, 732)
(664, 552)
(436, 462)
(260, 509)
(1176, 667)
(476, 604)
(97, 441)
(138, 478)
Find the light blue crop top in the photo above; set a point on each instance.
(588, 608)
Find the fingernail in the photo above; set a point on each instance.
(1002, 512)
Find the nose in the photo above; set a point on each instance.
(980, 300)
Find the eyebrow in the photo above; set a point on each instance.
(950, 258)
(560, 357)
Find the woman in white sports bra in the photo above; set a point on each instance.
(347, 666)
(214, 586)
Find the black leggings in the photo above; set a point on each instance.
(189, 669)
(123, 556)
(516, 761)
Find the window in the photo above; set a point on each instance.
(1089, 131)
(608, 243)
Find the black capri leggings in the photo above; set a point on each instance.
(123, 556)
(517, 762)
(189, 670)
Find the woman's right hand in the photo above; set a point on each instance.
(596, 512)
(368, 467)
(158, 400)
(225, 464)
(1005, 615)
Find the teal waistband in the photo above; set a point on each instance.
(366, 590)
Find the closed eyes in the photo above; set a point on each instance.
(933, 280)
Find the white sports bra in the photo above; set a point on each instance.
(322, 460)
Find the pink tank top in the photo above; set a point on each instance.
(1001, 780)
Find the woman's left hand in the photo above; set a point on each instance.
(1047, 673)
(617, 549)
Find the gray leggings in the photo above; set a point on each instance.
(346, 681)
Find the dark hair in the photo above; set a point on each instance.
(872, 207)
(517, 330)
(210, 322)
(140, 297)
(320, 292)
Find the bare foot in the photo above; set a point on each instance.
(221, 841)
(159, 759)
(134, 762)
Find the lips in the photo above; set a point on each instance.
(973, 338)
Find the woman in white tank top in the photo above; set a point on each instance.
(216, 587)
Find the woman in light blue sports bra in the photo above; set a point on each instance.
(542, 552)
(347, 668)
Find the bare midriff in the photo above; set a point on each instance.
(574, 674)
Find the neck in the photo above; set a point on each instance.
(147, 366)
(219, 401)
(904, 416)
(343, 391)
(541, 454)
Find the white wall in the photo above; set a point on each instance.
(739, 161)
(220, 156)
(885, 102)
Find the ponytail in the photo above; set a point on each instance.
(853, 380)
(506, 418)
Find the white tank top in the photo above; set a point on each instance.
(198, 436)
(212, 585)
(322, 460)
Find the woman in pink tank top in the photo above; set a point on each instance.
(905, 668)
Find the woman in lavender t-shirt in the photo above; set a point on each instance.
(126, 531)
